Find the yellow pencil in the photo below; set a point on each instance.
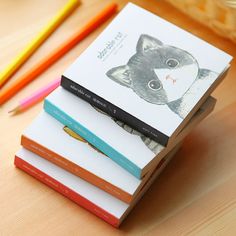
(37, 41)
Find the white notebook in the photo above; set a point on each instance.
(147, 73)
(55, 142)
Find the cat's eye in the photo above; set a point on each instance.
(154, 85)
(146, 48)
(126, 73)
(172, 63)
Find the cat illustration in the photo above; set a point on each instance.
(164, 75)
(151, 144)
(76, 136)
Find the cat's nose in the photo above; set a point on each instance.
(172, 79)
(162, 74)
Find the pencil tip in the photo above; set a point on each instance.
(15, 110)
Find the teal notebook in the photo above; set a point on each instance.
(127, 147)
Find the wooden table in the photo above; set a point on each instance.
(195, 195)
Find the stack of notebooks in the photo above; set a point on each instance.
(122, 110)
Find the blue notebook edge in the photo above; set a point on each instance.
(117, 157)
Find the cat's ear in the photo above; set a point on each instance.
(147, 43)
(121, 75)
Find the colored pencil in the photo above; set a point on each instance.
(52, 57)
(37, 41)
(36, 97)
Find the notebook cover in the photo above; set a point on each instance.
(150, 74)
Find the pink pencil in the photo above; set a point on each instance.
(36, 97)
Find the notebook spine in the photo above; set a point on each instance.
(65, 119)
(75, 169)
(67, 192)
(113, 111)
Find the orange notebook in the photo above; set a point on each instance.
(55, 142)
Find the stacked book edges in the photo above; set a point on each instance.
(130, 149)
(95, 200)
(57, 143)
(121, 113)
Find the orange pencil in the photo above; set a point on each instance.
(45, 63)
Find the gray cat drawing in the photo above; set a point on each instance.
(163, 75)
(152, 145)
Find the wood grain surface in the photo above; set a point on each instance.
(195, 195)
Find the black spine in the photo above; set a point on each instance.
(113, 111)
